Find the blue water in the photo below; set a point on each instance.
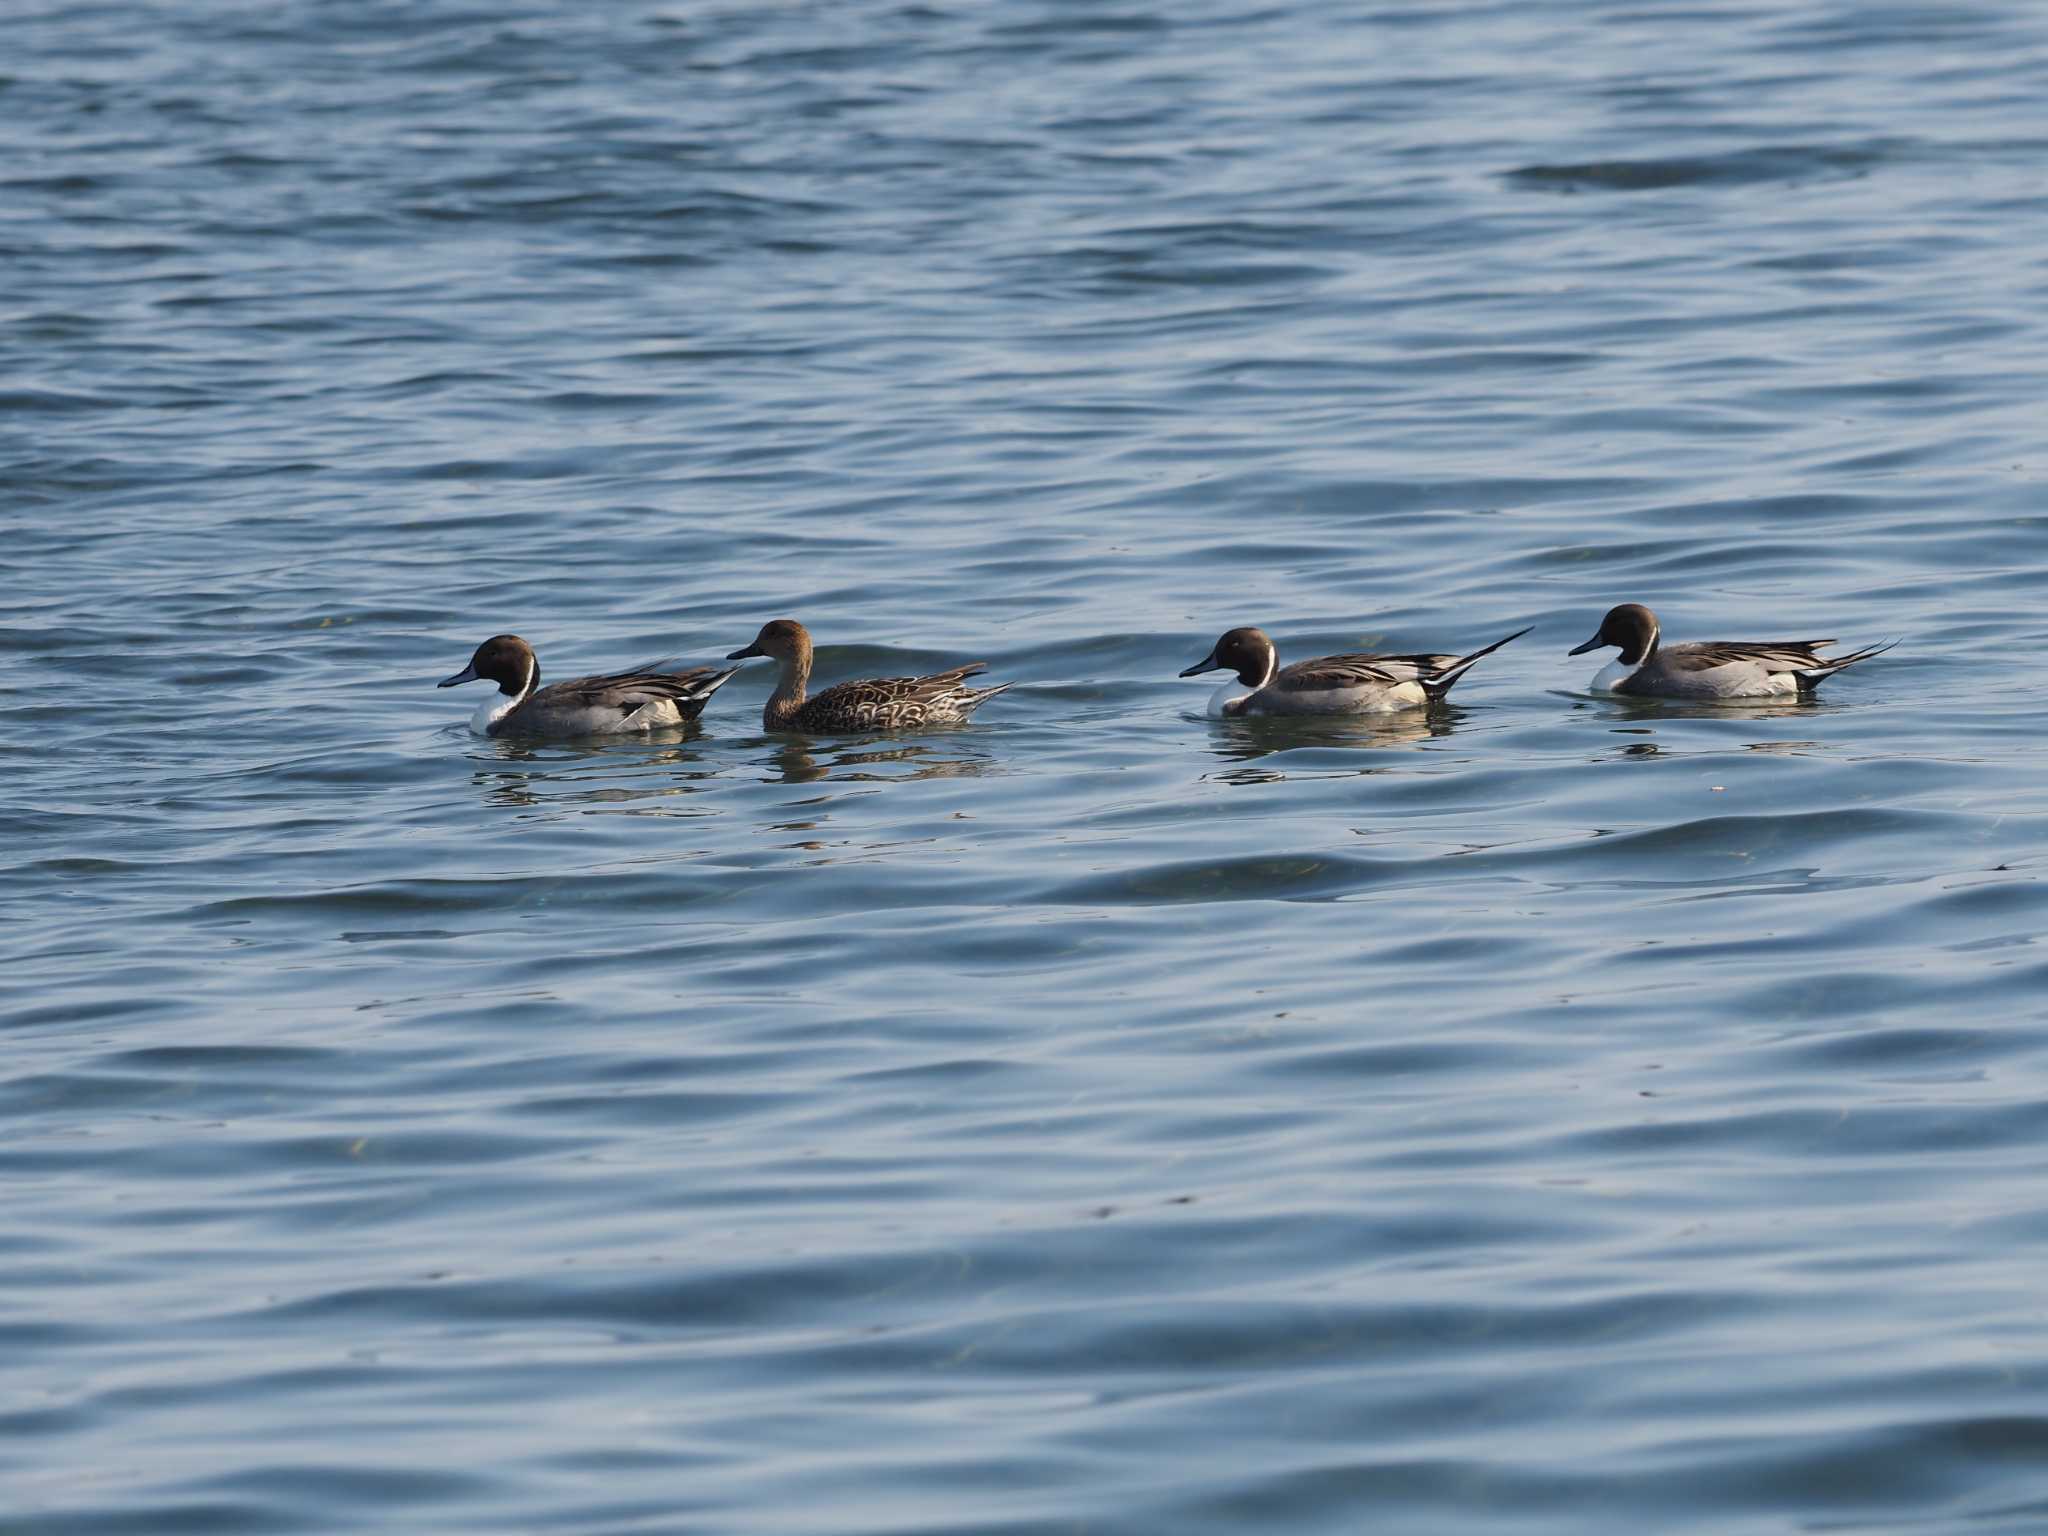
(1550, 1114)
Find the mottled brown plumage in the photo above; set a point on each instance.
(866, 704)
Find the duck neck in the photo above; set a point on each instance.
(788, 696)
(496, 706)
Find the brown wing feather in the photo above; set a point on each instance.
(867, 691)
(886, 702)
(1704, 655)
(1357, 669)
(629, 690)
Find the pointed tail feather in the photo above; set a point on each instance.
(691, 704)
(1812, 677)
(973, 698)
(711, 685)
(1436, 687)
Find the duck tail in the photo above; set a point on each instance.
(1440, 684)
(972, 699)
(690, 703)
(712, 684)
(1812, 677)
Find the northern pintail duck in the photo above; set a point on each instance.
(867, 704)
(1355, 683)
(642, 699)
(1709, 669)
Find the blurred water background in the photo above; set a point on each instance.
(1549, 1114)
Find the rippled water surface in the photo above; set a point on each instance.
(1543, 1114)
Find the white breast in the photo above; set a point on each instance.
(495, 707)
(1612, 675)
(1229, 693)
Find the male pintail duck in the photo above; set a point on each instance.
(642, 699)
(1352, 684)
(868, 704)
(1709, 669)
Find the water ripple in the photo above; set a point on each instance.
(1549, 1112)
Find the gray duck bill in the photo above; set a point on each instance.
(1593, 644)
(1208, 663)
(466, 675)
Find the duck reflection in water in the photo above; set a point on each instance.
(618, 775)
(793, 762)
(1247, 739)
(1643, 708)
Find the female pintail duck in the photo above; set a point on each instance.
(869, 704)
(1351, 684)
(1709, 669)
(642, 699)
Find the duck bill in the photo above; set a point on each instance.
(1593, 644)
(743, 654)
(466, 675)
(1208, 663)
